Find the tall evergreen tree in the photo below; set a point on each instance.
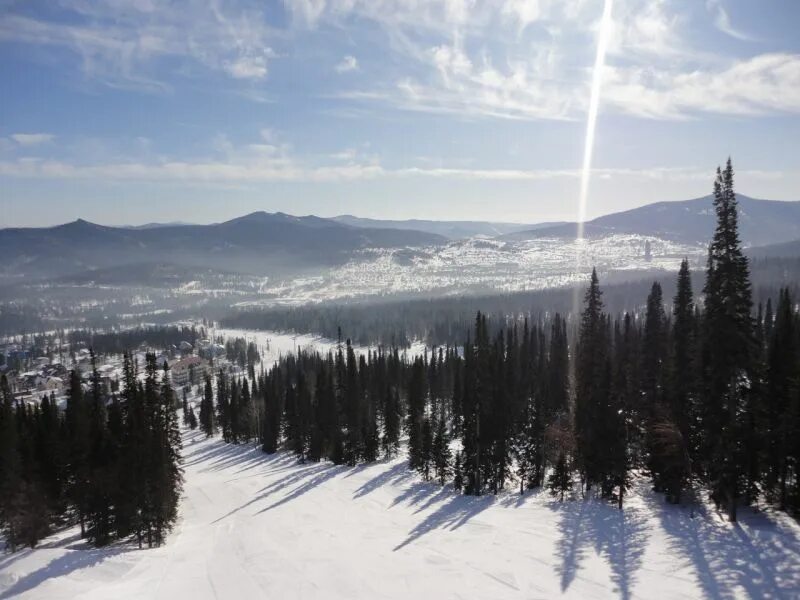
(590, 403)
(728, 350)
(208, 421)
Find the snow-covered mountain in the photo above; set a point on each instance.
(688, 221)
(285, 247)
(453, 230)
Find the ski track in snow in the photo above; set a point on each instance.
(258, 526)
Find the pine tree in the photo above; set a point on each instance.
(682, 369)
(11, 483)
(653, 350)
(458, 473)
(208, 421)
(223, 406)
(441, 452)
(416, 411)
(101, 479)
(560, 480)
(590, 395)
(427, 449)
(391, 424)
(728, 350)
(78, 435)
(234, 412)
(783, 373)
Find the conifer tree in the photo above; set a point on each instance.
(427, 457)
(590, 371)
(783, 370)
(223, 406)
(682, 368)
(441, 452)
(78, 435)
(560, 480)
(208, 421)
(391, 424)
(101, 480)
(728, 350)
(11, 485)
(458, 473)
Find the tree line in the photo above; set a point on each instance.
(703, 397)
(108, 463)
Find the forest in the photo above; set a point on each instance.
(111, 465)
(703, 399)
(447, 320)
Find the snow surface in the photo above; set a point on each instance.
(258, 526)
(272, 345)
(482, 265)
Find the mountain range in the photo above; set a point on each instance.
(454, 230)
(259, 243)
(761, 222)
(280, 244)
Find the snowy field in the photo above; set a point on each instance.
(272, 345)
(257, 526)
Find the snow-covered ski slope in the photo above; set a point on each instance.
(258, 526)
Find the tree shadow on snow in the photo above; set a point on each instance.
(451, 515)
(398, 473)
(304, 477)
(619, 535)
(218, 456)
(79, 556)
(759, 555)
(312, 478)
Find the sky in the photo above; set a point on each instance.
(135, 111)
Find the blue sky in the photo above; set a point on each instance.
(131, 111)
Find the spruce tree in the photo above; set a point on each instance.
(783, 373)
(208, 421)
(560, 480)
(590, 395)
(728, 350)
(682, 367)
(78, 436)
(441, 452)
(458, 473)
(11, 484)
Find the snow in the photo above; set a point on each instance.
(258, 526)
(471, 265)
(272, 345)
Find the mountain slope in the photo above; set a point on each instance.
(254, 525)
(783, 250)
(260, 243)
(450, 229)
(689, 221)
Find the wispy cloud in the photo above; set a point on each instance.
(723, 22)
(120, 42)
(32, 139)
(267, 160)
(347, 64)
(480, 68)
(510, 59)
(765, 84)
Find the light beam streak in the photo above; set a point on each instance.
(591, 122)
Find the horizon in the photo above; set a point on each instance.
(124, 225)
